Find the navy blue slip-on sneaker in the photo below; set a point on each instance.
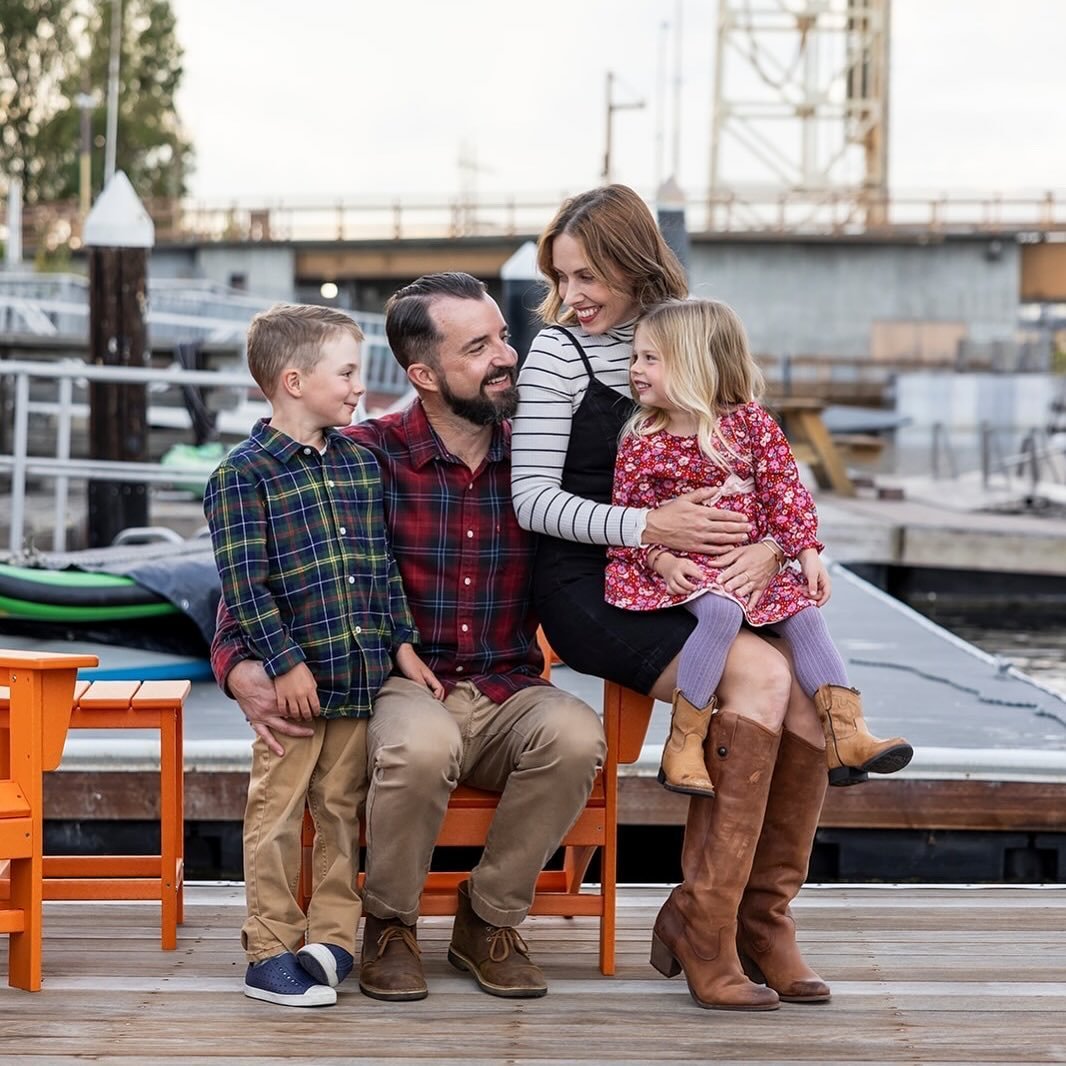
(282, 980)
(326, 963)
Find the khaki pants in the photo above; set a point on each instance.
(540, 749)
(328, 772)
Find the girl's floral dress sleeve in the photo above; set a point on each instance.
(790, 515)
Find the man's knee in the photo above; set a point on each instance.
(429, 747)
(570, 732)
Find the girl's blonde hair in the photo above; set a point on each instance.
(707, 369)
(623, 246)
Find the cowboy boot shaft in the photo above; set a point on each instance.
(767, 931)
(697, 925)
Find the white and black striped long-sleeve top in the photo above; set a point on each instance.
(551, 386)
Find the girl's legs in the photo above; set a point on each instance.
(702, 661)
(815, 659)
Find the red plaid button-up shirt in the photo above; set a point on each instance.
(465, 562)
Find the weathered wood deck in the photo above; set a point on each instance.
(919, 975)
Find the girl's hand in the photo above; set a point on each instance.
(681, 575)
(412, 667)
(297, 693)
(747, 570)
(819, 586)
(685, 524)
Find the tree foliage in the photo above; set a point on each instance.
(152, 148)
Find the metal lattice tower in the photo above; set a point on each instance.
(801, 109)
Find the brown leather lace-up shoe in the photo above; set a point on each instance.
(391, 966)
(496, 956)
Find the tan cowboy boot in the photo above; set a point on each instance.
(766, 937)
(684, 768)
(850, 748)
(696, 929)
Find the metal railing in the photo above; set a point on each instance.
(752, 209)
(61, 467)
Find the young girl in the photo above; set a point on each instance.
(698, 425)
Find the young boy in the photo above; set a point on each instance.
(297, 526)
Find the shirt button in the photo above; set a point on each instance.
(470, 486)
(465, 628)
(458, 669)
(307, 451)
(351, 581)
(358, 630)
(466, 581)
(330, 484)
(343, 530)
(469, 532)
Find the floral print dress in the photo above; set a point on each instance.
(763, 485)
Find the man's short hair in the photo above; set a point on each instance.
(292, 335)
(412, 334)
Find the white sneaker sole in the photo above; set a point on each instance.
(318, 961)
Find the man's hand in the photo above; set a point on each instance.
(686, 524)
(255, 695)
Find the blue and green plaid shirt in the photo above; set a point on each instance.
(305, 563)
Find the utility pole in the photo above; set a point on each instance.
(118, 233)
(112, 91)
(85, 102)
(612, 107)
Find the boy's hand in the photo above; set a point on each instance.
(412, 667)
(297, 693)
(681, 575)
(819, 587)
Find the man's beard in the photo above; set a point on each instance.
(482, 410)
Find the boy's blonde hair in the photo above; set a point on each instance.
(292, 335)
(707, 369)
(623, 246)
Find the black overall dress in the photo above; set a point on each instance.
(630, 647)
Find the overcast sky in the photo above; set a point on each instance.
(353, 99)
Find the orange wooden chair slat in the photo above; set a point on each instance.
(118, 705)
(37, 702)
(470, 810)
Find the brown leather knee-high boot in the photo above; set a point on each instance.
(696, 929)
(766, 938)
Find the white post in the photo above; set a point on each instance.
(18, 474)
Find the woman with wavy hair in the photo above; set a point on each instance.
(746, 851)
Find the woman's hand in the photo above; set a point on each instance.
(747, 570)
(686, 524)
(412, 667)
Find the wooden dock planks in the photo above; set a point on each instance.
(930, 975)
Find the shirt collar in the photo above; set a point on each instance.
(281, 445)
(425, 445)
